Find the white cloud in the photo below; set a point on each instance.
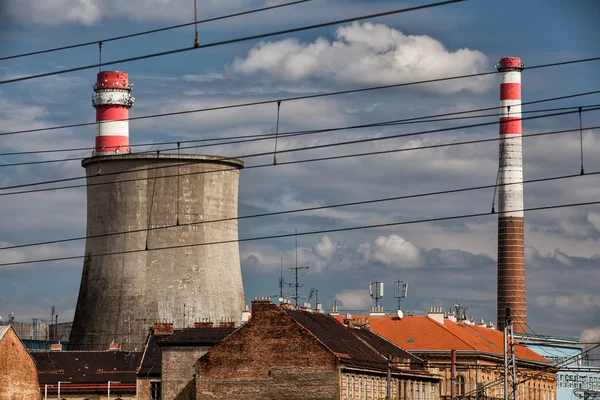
(368, 54)
(53, 12)
(590, 335)
(392, 250)
(355, 299)
(325, 248)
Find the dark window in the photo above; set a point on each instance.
(460, 385)
(154, 390)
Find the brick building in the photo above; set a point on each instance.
(291, 354)
(167, 369)
(88, 375)
(479, 354)
(18, 377)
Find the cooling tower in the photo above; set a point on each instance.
(152, 253)
(132, 280)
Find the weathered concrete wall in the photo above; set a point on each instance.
(270, 357)
(178, 371)
(122, 295)
(18, 376)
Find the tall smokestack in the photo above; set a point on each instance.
(511, 248)
(112, 102)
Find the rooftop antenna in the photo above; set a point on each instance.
(297, 285)
(400, 292)
(314, 292)
(460, 312)
(376, 291)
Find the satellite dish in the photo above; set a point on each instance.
(400, 314)
(281, 299)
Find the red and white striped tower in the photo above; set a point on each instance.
(112, 102)
(511, 245)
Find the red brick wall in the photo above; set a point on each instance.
(269, 357)
(18, 376)
(511, 273)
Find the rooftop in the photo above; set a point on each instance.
(86, 367)
(420, 333)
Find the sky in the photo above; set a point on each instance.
(443, 261)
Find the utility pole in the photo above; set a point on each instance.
(510, 362)
(400, 292)
(388, 383)
(376, 291)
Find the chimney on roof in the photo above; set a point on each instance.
(482, 323)
(349, 321)
(163, 327)
(114, 347)
(334, 311)
(286, 304)
(451, 316)
(436, 313)
(377, 311)
(227, 323)
(56, 347)
(319, 309)
(204, 323)
(307, 307)
(246, 314)
(491, 325)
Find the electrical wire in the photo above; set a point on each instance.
(308, 233)
(269, 136)
(298, 210)
(232, 41)
(304, 97)
(352, 155)
(321, 146)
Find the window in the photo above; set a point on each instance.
(347, 387)
(432, 385)
(155, 390)
(460, 385)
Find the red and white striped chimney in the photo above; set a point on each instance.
(112, 102)
(511, 245)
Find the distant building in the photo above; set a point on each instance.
(88, 374)
(167, 368)
(292, 354)
(578, 375)
(18, 378)
(478, 350)
(38, 334)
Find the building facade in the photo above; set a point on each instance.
(470, 358)
(578, 375)
(18, 377)
(293, 354)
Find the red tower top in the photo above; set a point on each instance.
(112, 80)
(510, 63)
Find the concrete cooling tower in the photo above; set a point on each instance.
(165, 266)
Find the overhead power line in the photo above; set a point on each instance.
(284, 135)
(167, 28)
(232, 41)
(322, 146)
(308, 233)
(301, 210)
(352, 155)
(313, 96)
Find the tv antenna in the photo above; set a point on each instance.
(460, 312)
(376, 291)
(314, 292)
(297, 285)
(400, 292)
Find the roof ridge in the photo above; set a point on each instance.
(454, 334)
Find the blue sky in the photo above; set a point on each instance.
(442, 262)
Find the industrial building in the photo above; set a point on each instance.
(152, 250)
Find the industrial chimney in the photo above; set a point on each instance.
(511, 248)
(165, 267)
(112, 101)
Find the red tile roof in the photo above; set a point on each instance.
(423, 333)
